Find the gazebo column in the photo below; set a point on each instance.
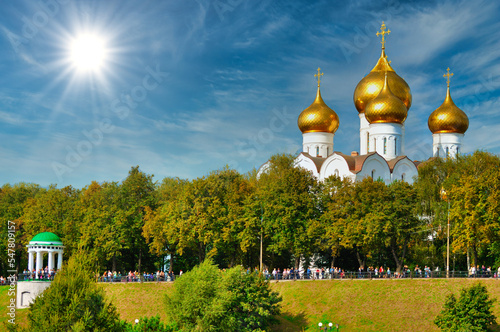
(51, 260)
(39, 261)
(30, 261)
(59, 259)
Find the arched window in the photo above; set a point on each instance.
(336, 172)
(395, 145)
(373, 174)
(447, 152)
(403, 177)
(367, 142)
(327, 151)
(317, 151)
(385, 145)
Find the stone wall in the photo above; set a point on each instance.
(27, 291)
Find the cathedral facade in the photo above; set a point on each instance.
(382, 99)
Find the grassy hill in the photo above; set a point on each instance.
(357, 305)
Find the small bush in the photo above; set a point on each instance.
(472, 312)
(151, 324)
(74, 302)
(206, 299)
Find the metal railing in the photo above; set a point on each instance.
(34, 277)
(134, 278)
(297, 275)
(375, 275)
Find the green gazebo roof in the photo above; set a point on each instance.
(46, 237)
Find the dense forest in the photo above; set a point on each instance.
(146, 224)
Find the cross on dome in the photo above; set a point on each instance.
(448, 75)
(318, 75)
(382, 33)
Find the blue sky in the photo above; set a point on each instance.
(190, 86)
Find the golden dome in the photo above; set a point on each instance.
(369, 87)
(318, 117)
(386, 107)
(448, 118)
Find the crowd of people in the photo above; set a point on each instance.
(483, 272)
(285, 274)
(375, 272)
(134, 276)
(42, 274)
(292, 273)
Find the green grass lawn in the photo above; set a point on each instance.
(21, 315)
(370, 305)
(357, 305)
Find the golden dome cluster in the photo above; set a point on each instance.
(372, 84)
(448, 118)
(384, 97)
(318, 117)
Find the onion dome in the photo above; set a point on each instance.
(386, 107)
(318, 117)
(369, 87)
(448, 118)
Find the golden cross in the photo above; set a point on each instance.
(318, 75)
(383, 33)
(447, 75)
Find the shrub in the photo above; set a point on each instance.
(206, 299)
(151, 324)
(470, 313)
(74, 302)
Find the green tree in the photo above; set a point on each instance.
(475, 205)
(135, 194)
(336, 205)
(400, 222)
(432, 209)
(354, 214)
(206, 299)
(12, 201)
(207, 216)
(74, 302)
(472, 312)
(289, 198)
(159, 228)
(229, 190)
(52, 210)
(367, 216)
(473, 191)
(100, 222)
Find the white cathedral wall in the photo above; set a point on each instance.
(263, 168)
(376, 167)
(386, 139)
(318, 144)
(402, 149)
(335, 165)
(304, 162)
(363, 133)
(446, 144)
(404, 170)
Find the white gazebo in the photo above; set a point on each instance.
(42, 243)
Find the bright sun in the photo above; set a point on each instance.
(88, 52)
